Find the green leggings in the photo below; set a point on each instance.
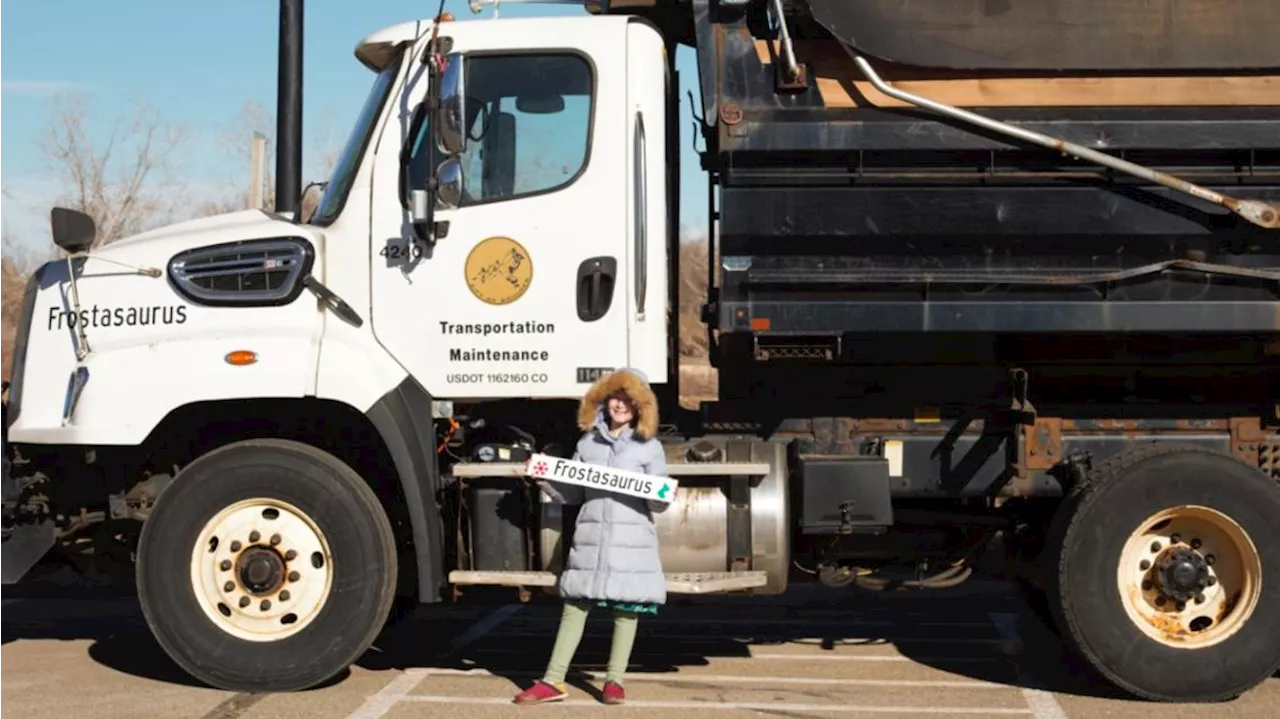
(572, 623)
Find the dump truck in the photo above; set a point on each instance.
(984, 277)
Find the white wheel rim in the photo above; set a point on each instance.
(1189, 577)
(254, 573)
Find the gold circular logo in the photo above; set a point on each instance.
(498, 270)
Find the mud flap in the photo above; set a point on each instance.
(25, 545)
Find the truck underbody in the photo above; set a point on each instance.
(928, 333)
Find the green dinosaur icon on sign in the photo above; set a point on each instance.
(662, 493)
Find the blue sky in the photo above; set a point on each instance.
(197, 64)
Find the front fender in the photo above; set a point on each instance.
(150, 351)
(129, 390)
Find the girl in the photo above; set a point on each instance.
(613, 561)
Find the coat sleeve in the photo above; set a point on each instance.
(561, 492)
(657, 466)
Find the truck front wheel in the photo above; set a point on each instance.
(268, 566)
(1168, 576)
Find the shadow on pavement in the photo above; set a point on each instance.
(518, 648)
(61, 603)
(916, 624)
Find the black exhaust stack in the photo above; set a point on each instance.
(289, 108)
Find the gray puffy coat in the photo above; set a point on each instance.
(614, 552)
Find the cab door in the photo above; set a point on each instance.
(524, 291)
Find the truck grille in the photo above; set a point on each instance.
(255, 272)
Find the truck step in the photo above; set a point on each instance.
(677, 582)
(674, 469)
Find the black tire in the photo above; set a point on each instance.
(1097, 518)
(340, 504)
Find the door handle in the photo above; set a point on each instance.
(641, 227)
(596, 279)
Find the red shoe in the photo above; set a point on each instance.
(613, 694)
(541, 693)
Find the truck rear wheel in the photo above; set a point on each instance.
(1168, 576)
(268, 566)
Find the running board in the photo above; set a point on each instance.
(675, 469)
(677, 583)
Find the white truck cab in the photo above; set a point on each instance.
(543, 263)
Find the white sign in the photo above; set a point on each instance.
(609, 479)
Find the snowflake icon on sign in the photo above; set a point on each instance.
(540, 468)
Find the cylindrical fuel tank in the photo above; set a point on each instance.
(693, 531)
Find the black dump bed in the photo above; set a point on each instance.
(1104, 35)
(844, 209)
(874, 244)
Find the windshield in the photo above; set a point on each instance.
(344, 171)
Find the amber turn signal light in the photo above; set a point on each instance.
(241, 358)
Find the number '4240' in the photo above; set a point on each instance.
(410, 251)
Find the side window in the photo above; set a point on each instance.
(528, 126)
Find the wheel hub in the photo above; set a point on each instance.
(1189, 576)
(1182, 573)
(261, 570)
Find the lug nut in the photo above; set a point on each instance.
(275, 539)
(1210, 559)
(225, 565)
(244, 602)
(294, 576)
(1212, 581)
(235, 546)
(1144, 565)
(1181, 605)
(229, 587)
(1195, 542)
(254, 536)
(1176, 538)
(284, 596)
(1199, 599)
(266, 604)
(1146, 585)
(1155, 546)
(1160, 600)
(290, 555)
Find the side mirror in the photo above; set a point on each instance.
(449, 183)
(451, 118)
(72, 230)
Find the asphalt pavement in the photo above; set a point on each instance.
(971, 651)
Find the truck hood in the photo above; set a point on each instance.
(155, 247)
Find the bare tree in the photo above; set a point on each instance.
(14, 283)
(116, 185)
(236, 140)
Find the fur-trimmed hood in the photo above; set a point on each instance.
(636, 386)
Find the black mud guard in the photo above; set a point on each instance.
(403, 418)
(24, 547)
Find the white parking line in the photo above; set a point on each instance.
(877, 658)
(842, 641)
(753, 706)
(1041, 702)
(378, 704)
(799, 621)
(483, 627)
(675, 678)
